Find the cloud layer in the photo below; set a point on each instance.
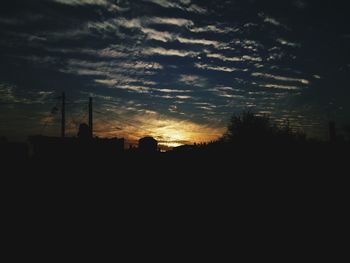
(183, 63)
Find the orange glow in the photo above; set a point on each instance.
(169, 132)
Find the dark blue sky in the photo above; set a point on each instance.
(176, 70)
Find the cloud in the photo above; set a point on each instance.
(83, 2)
(184, 5)
(204, 42)
(251, 58)
(108, 82)
(141, 65)
(234, 59)
(168, 52)
(126, 85)
(224, 58)
(174, 97)
(193, 80)
(133, 88)
(172, 90)
(109, 53)
(174, 132)
(218, 29)
(196, 9)
(215, 68)
(272, 21)
(102, 3)
(179, 22)
(11, 94)
(141, 24)
(282, 78)
(137, 121)
(277, 86)
(157, 35)
(287, 43)
(226, 92)
(248, 44)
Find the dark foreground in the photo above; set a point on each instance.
(211, 195)
(296, 160)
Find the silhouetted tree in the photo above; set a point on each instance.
(248, 126)
(251, 128)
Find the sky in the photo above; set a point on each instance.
(175, 70)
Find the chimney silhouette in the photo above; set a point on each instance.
(91, 119)
(332, 131)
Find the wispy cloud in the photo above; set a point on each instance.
(282, 87)
(224, 58)
(83, 2)
(288, 43)
(226, 92)
(272, 21)
(219, 29)
(193, 80)
(215, 68)
(204, 42)
(103, 3)
(168, 52)
(179, 22)
(184, 5)
(186, 58)
(282, 78)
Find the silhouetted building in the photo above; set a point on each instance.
(148, 144)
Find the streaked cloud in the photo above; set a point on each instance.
(83, 2)
(187, 59)
(193, 80)
(215, 68)
(103, 3)
(168, 52)
(224, 58)
(282, 87)
(180, 22)
(184, 5)
(214, 29)
(282, 78)
(204, 42)
(287, 43)
(270, 20)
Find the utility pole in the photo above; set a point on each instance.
(63, 118)
(91, 119)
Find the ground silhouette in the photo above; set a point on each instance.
(251, 141)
